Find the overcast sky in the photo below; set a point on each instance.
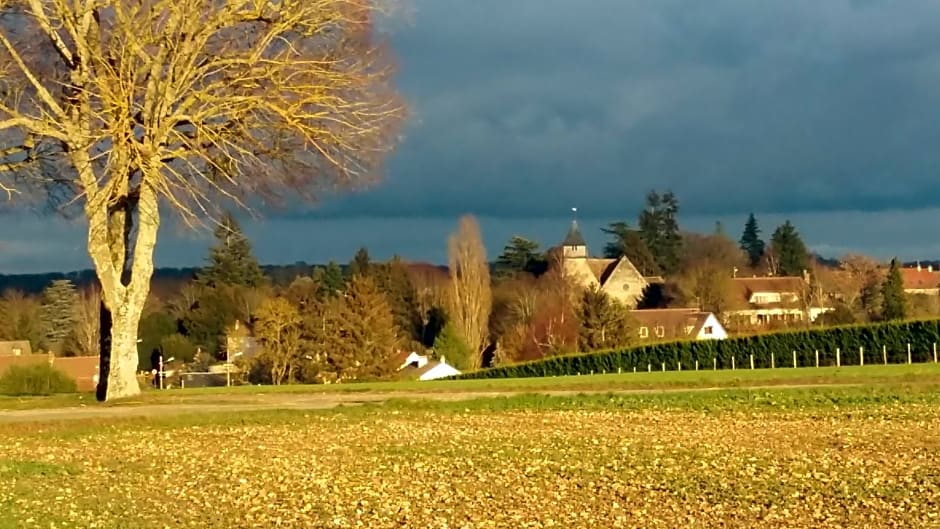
(825, 112)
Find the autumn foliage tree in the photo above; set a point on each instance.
(470, 301)
(128, 109)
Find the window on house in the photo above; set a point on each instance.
(644, 332)
(660, 331)
(708, 330)
(17, 351)
(689, 329)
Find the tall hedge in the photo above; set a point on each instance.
(895, 337)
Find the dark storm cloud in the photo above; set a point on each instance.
(529, 107)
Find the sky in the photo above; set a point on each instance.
(825, 113)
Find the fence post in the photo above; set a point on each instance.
(680, 366)
(884, 353)
(732, 362)
(794, 359)
(649, 368)
(696, 365)
(838, 357)
(664, 367)
(752, 361)
(935, 352)
(714, 364)
(634, 369)
(908, 353)
(771, 359)
(817, 357)
(861, 356)
(619, 370)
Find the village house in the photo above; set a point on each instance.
(773, 300)
(423, 368)
(657, 325)
(920, 280)
(618, 278)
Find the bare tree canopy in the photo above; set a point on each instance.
(123, 107)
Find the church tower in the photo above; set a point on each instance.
(574, 246)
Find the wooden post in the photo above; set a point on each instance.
(732, 363)
(715, 364)
(634, 369)
(861, 356)
(649, 367)
(680, 366)
(935, 352)
(838, 357)
(696, 363)
(664, 367)
(817, 357)
(619, 370)
(884, 353)
(771, 359)
(908, 353)
(752, 361)
(794, 359)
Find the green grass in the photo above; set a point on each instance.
(915, 374)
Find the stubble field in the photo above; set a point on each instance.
(782, 458)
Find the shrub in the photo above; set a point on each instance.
(35, 379)
(890, 339)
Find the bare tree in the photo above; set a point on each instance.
(471, 297)
(85, 334)
(278, 330)
(122, 108)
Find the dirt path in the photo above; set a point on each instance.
(314, 401)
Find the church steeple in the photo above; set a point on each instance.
(574, 245)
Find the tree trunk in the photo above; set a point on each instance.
(124, 270)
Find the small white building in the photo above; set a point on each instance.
(424, 368)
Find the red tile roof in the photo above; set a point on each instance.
(921, 279)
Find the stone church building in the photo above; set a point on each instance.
(618, 278)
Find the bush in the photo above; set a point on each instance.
(35, 379)
(891, 339)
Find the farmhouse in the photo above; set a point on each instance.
(618, 278)
(676, 324)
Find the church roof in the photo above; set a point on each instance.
(574, 237)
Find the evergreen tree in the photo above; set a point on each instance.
(392, 278)
(659, 229)
(604, 322)
(790, 252)
(58, 314)
(893, 301)
(751, 242)
(361, 263)
(361, 335)
(628, 242)
(519, 255)
(231, 261)
(330, 279)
